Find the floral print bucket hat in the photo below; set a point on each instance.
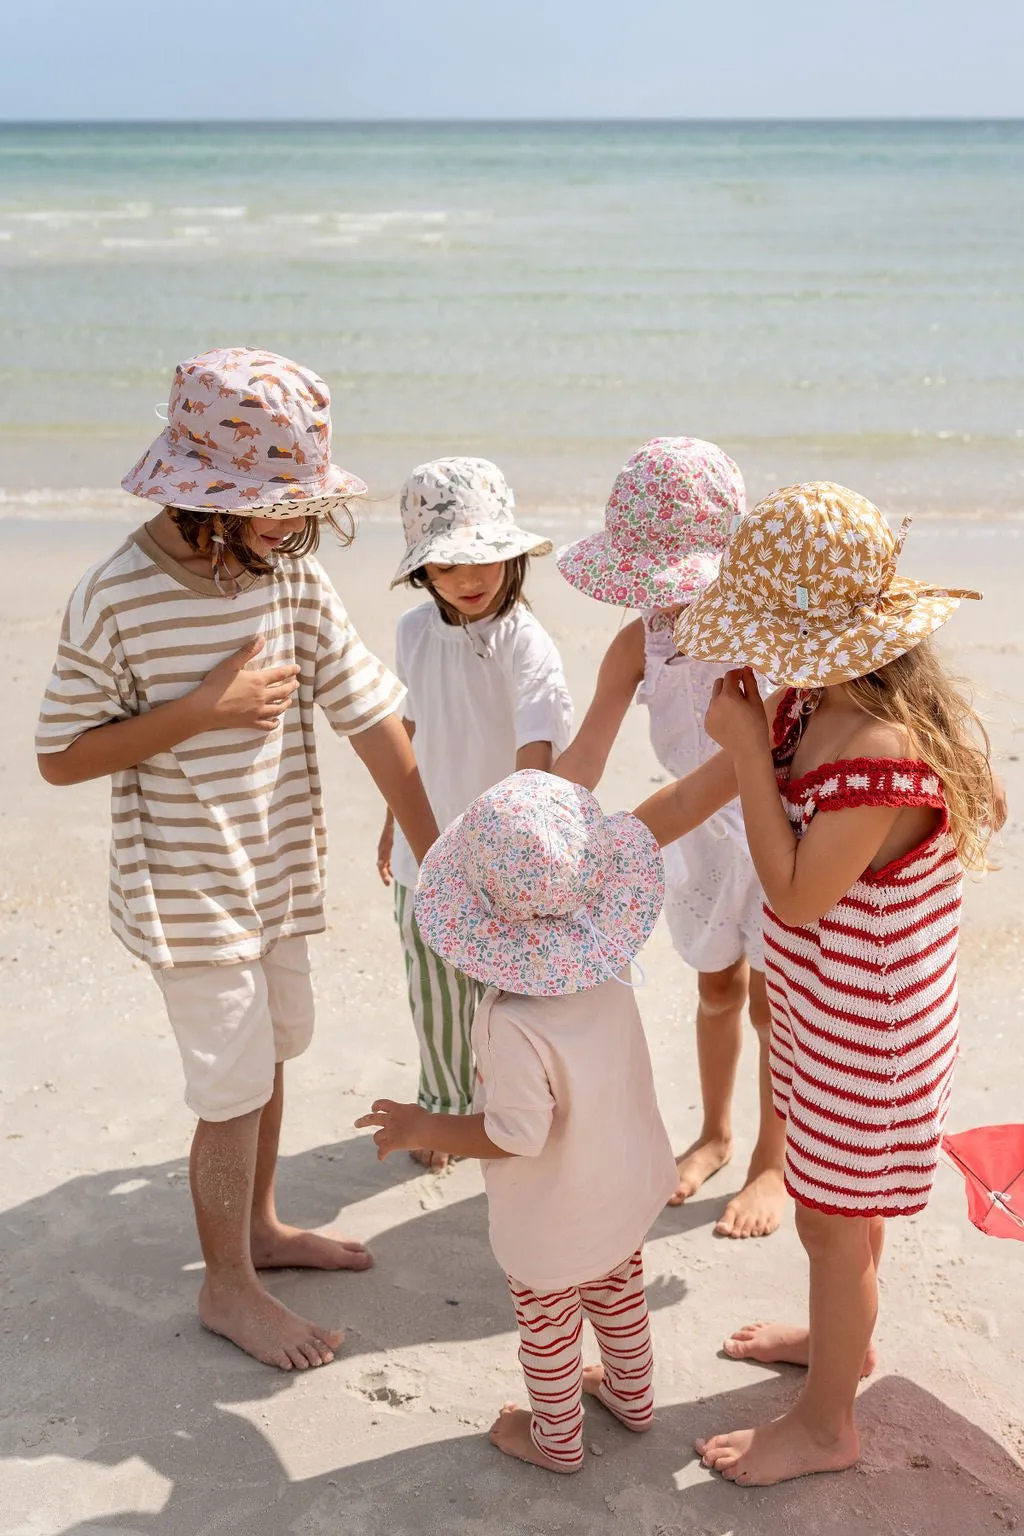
(458, 511)
(535, 890)
(247, 432)
(668, 519)
(808, 593)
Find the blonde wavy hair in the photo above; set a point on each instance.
(917, 693)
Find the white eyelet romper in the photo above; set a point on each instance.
(713, 900)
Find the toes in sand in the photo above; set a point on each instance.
(777, 1452)
(779, 1344)
(697, 1164)
(511, 1433)
(260, 1325)
(758, 1208)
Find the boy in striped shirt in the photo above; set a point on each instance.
(189, 664)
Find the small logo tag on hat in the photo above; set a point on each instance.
(802, 599)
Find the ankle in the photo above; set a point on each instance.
(825, 1429)
(717, 1135)
(228, 1278)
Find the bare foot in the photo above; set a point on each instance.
(698, 1163)
(510, 1432)
(776, 1452)
(779, 1344)
(258, 1323)
(437, 1162)
(282, 1247)
(593, 1380)
(757, 1210)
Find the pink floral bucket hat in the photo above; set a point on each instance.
(808, 593)
(668, 519)
(458, 511)
(247, 432)
(535, 890)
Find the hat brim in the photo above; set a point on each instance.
(547, 956)
(593, 567)
(475, 544)
(799, 650)
(167, 475)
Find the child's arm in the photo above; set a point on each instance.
(802, 878)
(231, 696)
(536, 754)
(620, 674)
(408, 1127)
(386, 842)
(386, 751)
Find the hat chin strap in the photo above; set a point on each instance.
(625, 958)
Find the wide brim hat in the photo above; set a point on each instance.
(493, 901)
(459, 511)
(248, 433)
(667, 521)
(808, 593)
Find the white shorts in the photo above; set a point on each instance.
(234, 1023)
(713, 900)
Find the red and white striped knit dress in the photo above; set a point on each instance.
(864, 1001)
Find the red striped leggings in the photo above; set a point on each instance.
(550, 1326)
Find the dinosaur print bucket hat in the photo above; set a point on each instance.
(247, 432)
(668, 519)
(535, 890)
(808, 593)
(459, 511)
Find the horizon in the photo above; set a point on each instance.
(841, 120)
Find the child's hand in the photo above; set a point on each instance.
(233, 695)
(401, 1126)
(736, 717)
(384, 847)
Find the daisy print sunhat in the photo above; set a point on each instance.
(668, 519)
(808, 592)
(459, 511)
(248, 432)
(535, 890)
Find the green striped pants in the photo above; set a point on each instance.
(442, 1001)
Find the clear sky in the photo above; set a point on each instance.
(256, 59)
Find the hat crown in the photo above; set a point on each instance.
(459, 492)
(679, 494)
(249, 415)
(808, 547)
(536, 847)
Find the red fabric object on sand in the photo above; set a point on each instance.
(991, 1159)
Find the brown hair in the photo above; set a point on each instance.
(916, 692)
(218, 533)
(511, 591)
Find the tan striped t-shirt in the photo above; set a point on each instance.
(218, 847)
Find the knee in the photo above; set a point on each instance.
(821, 1234)
(722, 992)
(759, 1006)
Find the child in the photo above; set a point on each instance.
(486, 696)
(668, 519)
(539, 896)
(217, 857)
(865, 795)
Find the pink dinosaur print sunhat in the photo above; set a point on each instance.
(459, 511)
(247, 432)
(668, 519)
(535, 890)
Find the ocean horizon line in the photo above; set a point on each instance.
(931, 120)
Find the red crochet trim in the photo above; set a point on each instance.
(887, 1211)
(883, 768)
(786, 724)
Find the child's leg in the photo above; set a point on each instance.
(758, 1208)
(617, 1309)
(222, 1020)
(442, 1002)
(721, 995)
(789, 1343)
(818, 1433)
(551, 1435)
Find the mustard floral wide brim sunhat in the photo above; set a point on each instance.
(808, 594)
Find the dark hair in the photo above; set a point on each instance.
(199, 529)
(511, 592)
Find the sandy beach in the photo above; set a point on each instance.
(118, 1414)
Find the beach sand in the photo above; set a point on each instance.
(117, 1413)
